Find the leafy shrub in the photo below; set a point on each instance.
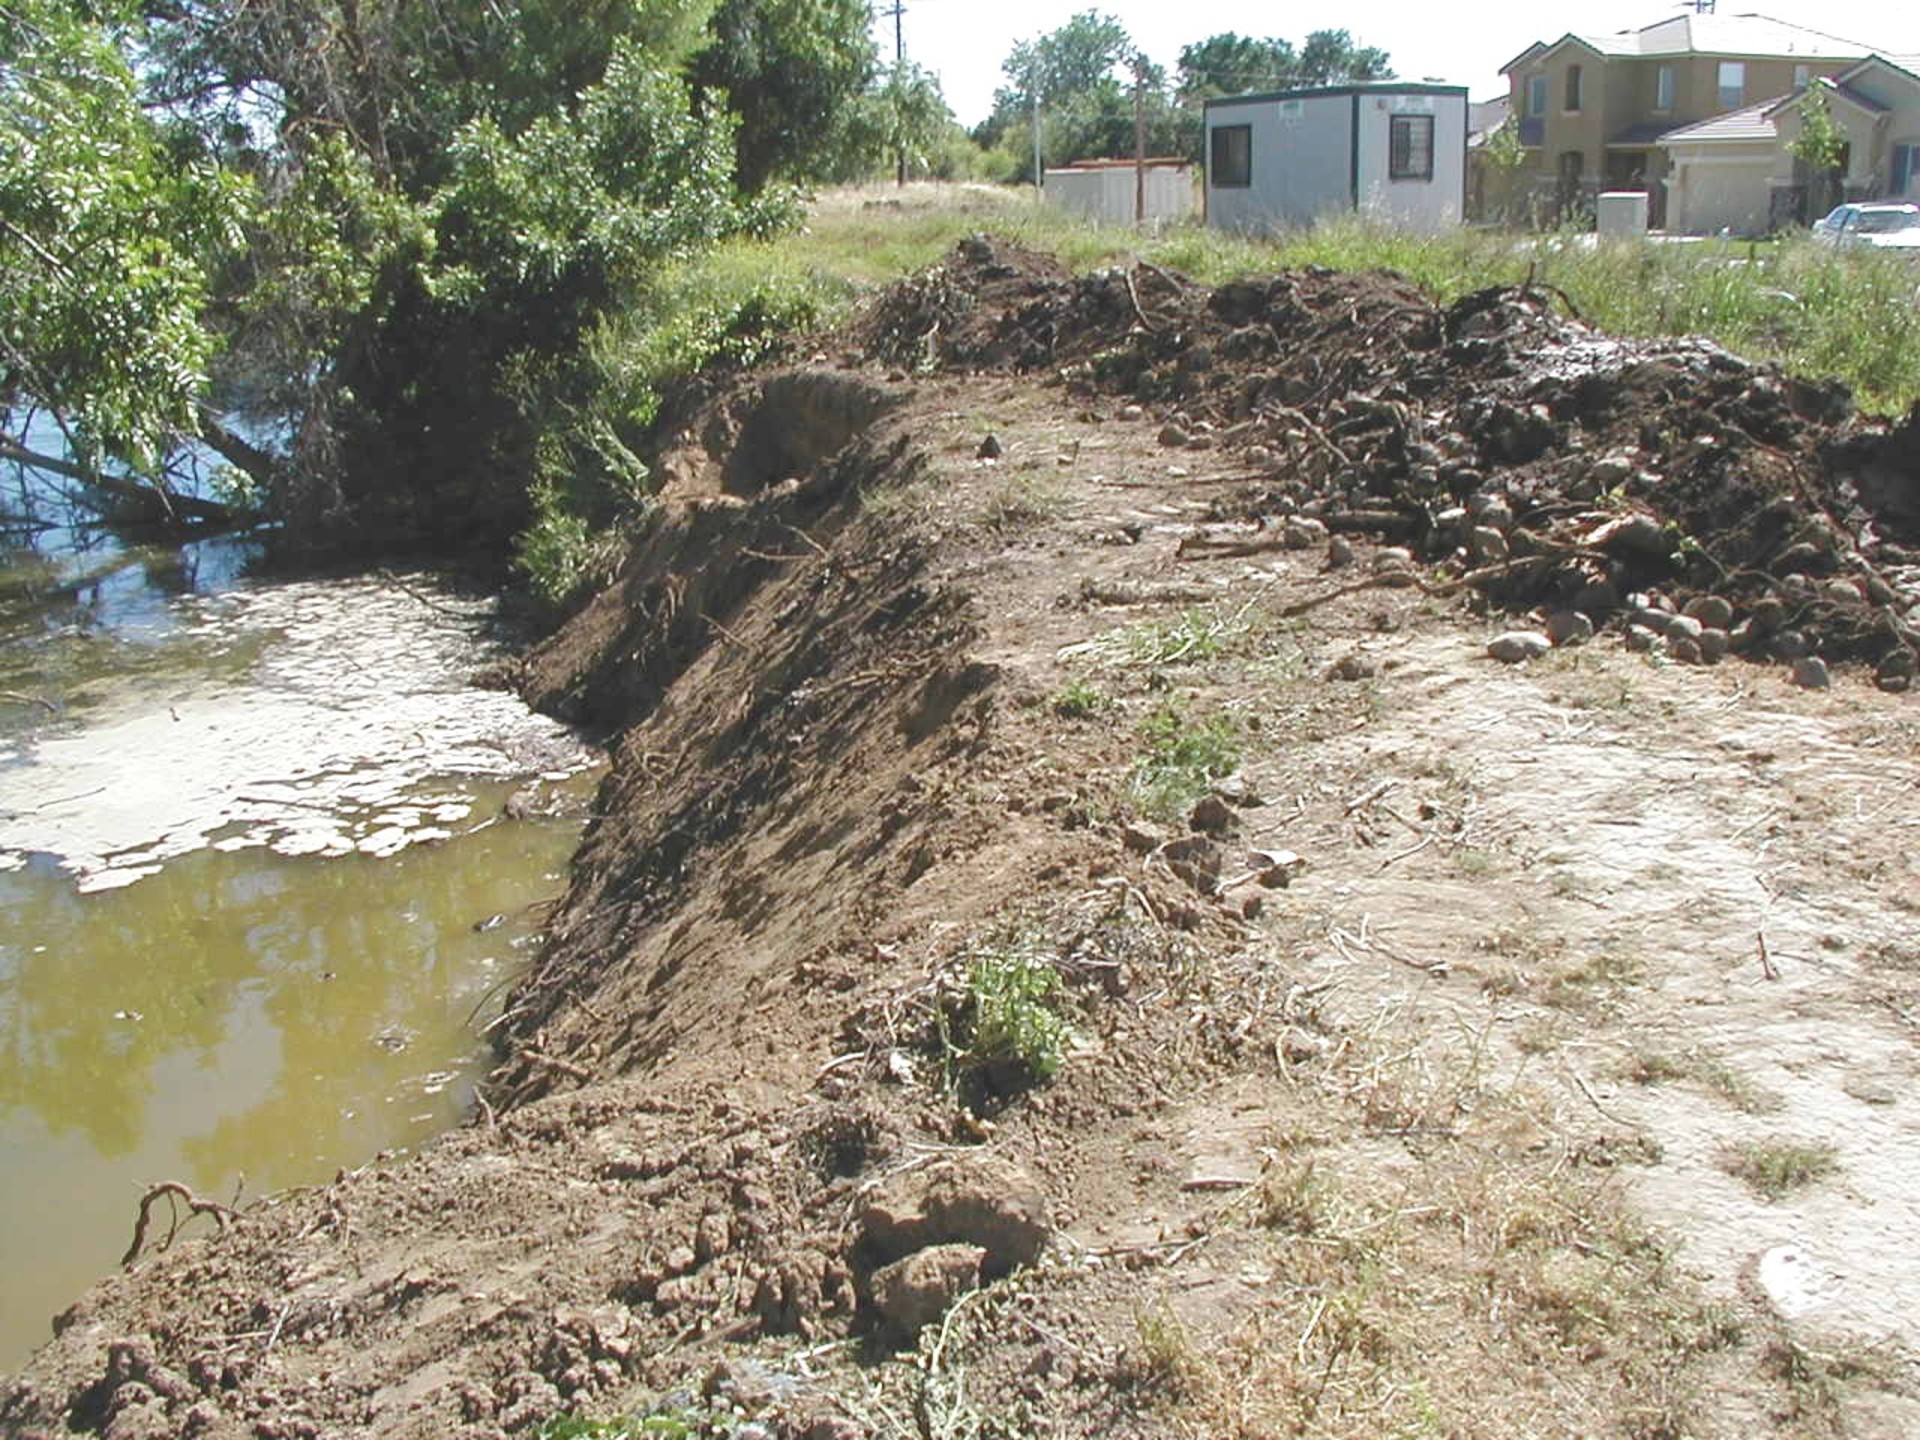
(1013, 1021)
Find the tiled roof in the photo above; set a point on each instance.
(1725, 35)
(1748, 123)
(1840, 88)
(1865, 102)
(1906, 66)
(1484, 117)
(1734, 35)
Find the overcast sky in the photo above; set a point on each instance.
(964, 41)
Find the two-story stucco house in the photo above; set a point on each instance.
(1593, 108)
(1737, 172)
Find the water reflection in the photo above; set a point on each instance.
(82, 602)
(242, 1008)
(238, 1014)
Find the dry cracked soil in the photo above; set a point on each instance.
(1081, 937)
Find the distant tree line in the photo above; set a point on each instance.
(1079, 83)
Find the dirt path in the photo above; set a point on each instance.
(1069, 948)
(1644, 829)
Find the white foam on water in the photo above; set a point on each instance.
(353, 729)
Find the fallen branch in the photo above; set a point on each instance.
(554, 1062)
(169, 506)
(14, 697)
(389, 578)
(1138, 309)
(177, 1194)
(1203, 547)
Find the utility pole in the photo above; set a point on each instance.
(899, 65)
(1039, 175)
(1139, 139)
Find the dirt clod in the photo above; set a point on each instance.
(913, 1293)
(972, 1200)
(1516, 646)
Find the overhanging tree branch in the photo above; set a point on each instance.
(164, 503)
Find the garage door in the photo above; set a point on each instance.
(1724, 195)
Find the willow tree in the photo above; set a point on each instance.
(377, 232)
(112, 233)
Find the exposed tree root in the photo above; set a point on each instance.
(176, 1195)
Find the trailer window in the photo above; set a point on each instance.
(1232, 156)
(1410, 148)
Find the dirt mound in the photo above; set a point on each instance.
(1499, 438)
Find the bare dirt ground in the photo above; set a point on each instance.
(1092, 677)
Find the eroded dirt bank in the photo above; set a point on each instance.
(1444, 1047)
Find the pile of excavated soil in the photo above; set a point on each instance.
(1057, 954)
(1549, 463)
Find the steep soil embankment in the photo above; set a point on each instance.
(1408, 1026)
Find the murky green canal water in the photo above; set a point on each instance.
(258, 892)
(239, 1019)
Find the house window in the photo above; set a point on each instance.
(1232, 157)
(1802, 74)
(1536, 95)
(1573, 87)
(1410, 147)
(1906, 169)
(1663, 88)
(1733, 84)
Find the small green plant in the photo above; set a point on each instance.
(682, 1424)
(1020, 501)
(1080, 700)
(1471, 863)
(1710, 1072)
(1184, 757)
(1592, 984)
(560, 552)
(1291, 1198)
(1164, 1360)
(1009, 1031)
(1776, 1168)
(1189, 638)
(1654, 1067)
(1738, 1090)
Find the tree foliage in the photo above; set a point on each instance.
(1821, 146)
(1230, 64)
(1084, 74)
(382, 232)
(788, 69)
(902, 123)
(1082, 59)
(110, 230)
(1083, 77)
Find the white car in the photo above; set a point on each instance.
(1885, 226)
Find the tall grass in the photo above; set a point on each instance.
(1819, 313)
